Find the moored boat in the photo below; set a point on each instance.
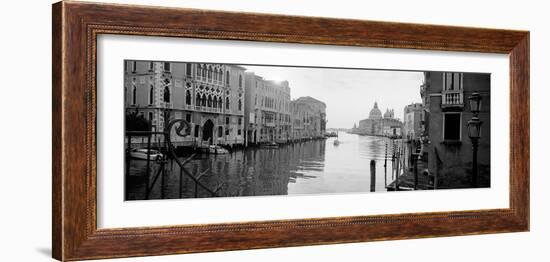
(215, 149)
(141, 153)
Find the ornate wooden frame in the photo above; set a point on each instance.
(76, 26)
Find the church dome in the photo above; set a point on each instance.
(375, 112)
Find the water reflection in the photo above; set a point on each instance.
(313, 167)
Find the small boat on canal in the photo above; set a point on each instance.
(336, 141)
(141, 153)
(218, 150)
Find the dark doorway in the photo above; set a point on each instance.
(207, 131)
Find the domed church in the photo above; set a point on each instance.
(375, 113)
(378, 125)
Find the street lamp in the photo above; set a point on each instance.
(474, 128)
(474, 131)
(475, 103)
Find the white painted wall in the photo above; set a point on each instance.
(25, 190)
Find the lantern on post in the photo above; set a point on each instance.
(474, 132)
(474, 128)
(475, 103)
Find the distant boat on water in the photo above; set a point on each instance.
(336, 141)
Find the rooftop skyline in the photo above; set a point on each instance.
(349, 94)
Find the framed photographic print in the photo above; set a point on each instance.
(181, 130)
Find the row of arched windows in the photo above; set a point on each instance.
(206, 100)
(269, 102)
(211, 73)
(200, 99)
(272, 103)
(166, 96)
(210, 101)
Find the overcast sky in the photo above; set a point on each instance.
(348, 93)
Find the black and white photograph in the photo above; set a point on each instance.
(200, 130)
(269, 131)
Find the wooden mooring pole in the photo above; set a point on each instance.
(127, 177)
(393, 161)
(397, 168)
(385, 166)
(372, 175)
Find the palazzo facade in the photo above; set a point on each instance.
(209, 96)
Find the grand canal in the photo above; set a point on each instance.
(312, 167)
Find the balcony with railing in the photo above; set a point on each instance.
(204, 109)
(452, 98)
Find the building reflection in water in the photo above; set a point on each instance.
(313, 167)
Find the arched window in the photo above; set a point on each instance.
(134, 95)
(227, 78)
(220, 103)
(240, 105)
(197, 100)
(166, 94)
(199, 70)
(209, 72)
(220, 131)
(215, 74)
(204, 71)
(215, 103)
(203, 100)
(209, 101)
(197, 129)
(151, 95)
(188, 97)
(240, 81)
(227, 103)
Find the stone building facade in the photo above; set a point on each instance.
(447, 146)
(267, 110)
(209, 96)
(308, 118)
(412, 121)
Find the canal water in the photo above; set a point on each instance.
(312, 167)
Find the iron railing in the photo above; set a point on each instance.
(182, 128)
